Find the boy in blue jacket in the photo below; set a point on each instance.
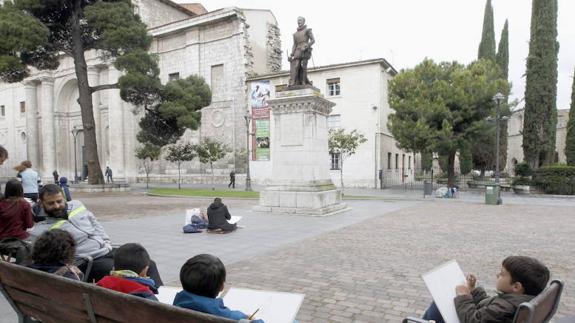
(203, 278)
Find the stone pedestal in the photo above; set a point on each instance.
(300, 180)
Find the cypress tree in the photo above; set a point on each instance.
(487, 44)
(502, 60)
(570, 140)
(539, 123)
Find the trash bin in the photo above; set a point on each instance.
(427, 190)
(492, 194)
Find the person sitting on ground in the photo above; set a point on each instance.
(131, 264)
(53, 252)
(90, 237)
(203, 278)
(520, 280)
(218, 215)
(15, 212)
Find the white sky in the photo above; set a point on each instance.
(406, 31)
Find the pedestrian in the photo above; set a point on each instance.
(108, 174)
(232, 183)
(56, 176)
(64, 185)
(30, 180)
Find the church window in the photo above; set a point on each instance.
(22, 107)
(335, 160)
(396, 161)
(333, 87)
(334, 121)
(173, 76)
(388, 160)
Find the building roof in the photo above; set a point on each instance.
(195, 7)
(178, 7)
(390, 69)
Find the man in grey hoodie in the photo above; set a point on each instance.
(90, 237)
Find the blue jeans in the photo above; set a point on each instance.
(432, 313)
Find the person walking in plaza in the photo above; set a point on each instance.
(30, 180)
(218, 216)
(108, 174)
(56, 176)
(232, 183)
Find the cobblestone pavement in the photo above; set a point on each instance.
(370, 272)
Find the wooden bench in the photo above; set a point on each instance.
(538, 310)
(39, 296)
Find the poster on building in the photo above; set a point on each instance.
(260, 93)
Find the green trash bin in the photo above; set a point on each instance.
(492, 194)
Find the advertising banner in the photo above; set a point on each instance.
(260, 110)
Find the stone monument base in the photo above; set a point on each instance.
(314, 201)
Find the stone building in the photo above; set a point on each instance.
(359, 90)
(40, 118)
(515, 138)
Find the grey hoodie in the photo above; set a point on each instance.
(90, 237)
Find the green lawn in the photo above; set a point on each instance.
(203, 192)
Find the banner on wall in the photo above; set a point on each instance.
(259, 94)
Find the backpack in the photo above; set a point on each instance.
(191, 228)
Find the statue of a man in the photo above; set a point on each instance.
(300, 54)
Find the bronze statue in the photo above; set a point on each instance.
(300, 54)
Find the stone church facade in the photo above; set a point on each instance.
(40, 118)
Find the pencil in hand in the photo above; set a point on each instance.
(251, 317)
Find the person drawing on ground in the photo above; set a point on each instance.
(131, 264)
(203, 278)
(218, 216)
(519, 280)
(91, 238)
(53, 252)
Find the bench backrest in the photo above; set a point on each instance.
(541, 308)
(50, 298)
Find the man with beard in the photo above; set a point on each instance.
(303, 39)
(90, 237)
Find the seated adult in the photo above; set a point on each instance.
(15, 212)
(91, 238)
(218, 216)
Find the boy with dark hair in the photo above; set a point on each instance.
(520, 280)
(53, 252)
(131, 264)
(203, 278)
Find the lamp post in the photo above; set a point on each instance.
(498, 98)
(247, 118)
(75, 132)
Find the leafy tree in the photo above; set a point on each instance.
(540, 119)
(570, 140)
(179, 154)
(210, 151)
(344, 144)
(487, 44)
(426, 160)
(148, 154)
(178, 108)
(465, 161)
(442, 107)
(36, 32)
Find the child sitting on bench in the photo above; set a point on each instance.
(203, 278)
(131, 264)
(53, 252)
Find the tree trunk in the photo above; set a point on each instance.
(341, 176)
(213, 183)
(179, 177)
(451, 169)
(85, 99)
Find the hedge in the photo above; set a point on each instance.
(555, 179)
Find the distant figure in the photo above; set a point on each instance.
(64, 185)
(108, 174)
(232, 183)
(218, 215)
(300, 54)
(56, 176)
(30, 180)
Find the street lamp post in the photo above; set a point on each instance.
(247, 118)
(498, 98)
(75, 132)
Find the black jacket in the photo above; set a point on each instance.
(479, 308)
(217, 217)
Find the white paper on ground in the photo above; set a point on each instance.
(166, 294)
(234, 219)
(274, 307)
(441, 282)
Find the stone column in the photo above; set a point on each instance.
(116, 123)
(48, 130)
(300, 180)
(31, 122)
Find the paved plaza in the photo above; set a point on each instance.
(362, 265)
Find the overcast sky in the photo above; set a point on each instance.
(406, 31)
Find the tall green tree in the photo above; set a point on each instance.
(344, 144)
(178, 154)
(540, 119)
(210, 151)
(443, 105)
(148, 154)
(570, 140)
(36, 33)
(487, 44)
(502, 60)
